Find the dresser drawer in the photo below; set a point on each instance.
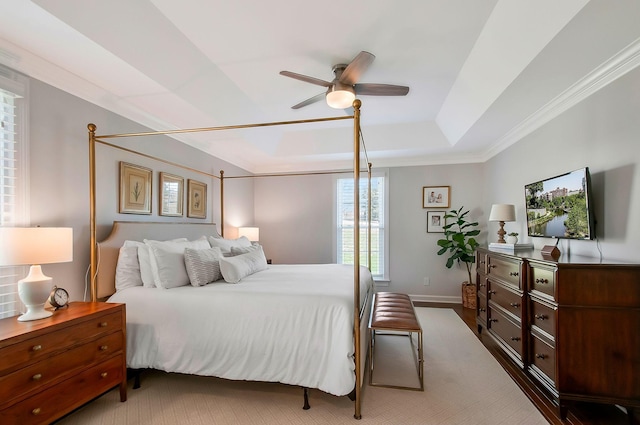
(482, 308)
(543, 280)
(506, 269)
(481, 262)
(45, 406)
(40, 375)
(43, 346)
(508, 331)
(543, 317)
(508, 299)
(543, 357)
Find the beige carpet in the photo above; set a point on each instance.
(463, 385)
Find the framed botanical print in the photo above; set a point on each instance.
(197, 202)
(436, 196)
(135, 189)
(171, 195)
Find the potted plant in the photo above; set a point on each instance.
(460, 244)
(512, 238)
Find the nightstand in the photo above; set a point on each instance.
(51, 366)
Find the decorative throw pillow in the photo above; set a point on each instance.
(235, 268)
(203, 265)
(226, 244)
(144, 261)
(238, 250)
(128, 268)
(167, 261)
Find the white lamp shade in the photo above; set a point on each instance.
(502, 212)
(340, 96)
(251, 233)
(35, 245)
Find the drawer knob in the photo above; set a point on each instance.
(482, 262)
(104, 347)
(37, 377)
(103, 374)
(482, 285)
(492, 266)
(493, 292)
(542, 280)
(515, 338)
(541, 316)
(541, 356)
(493, 320)
(103, 324)
(513, 273)
(36, 411)
(36, 347)
(483, 309)
(514, 305)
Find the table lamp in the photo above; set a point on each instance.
(502, 213)
(251, 233)
(20, 246)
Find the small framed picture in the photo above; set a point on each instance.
(435, 221)
(135, 189)
(197, 202)
(436, 196)
(171, 195)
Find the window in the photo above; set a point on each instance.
(345, 222)
(13, 176)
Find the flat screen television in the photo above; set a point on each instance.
(561, 207)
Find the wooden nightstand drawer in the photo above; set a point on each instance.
(42, 374)
(50, 404)
(43, 346)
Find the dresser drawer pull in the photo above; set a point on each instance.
(483, 309)
(492, 266)
(542, 280)
(493, 292)
(103, 324)
(541, 356)
(37, 377)
(36, 411)
(515, 338)
(36, 347)
(513, 273)
(482, 261)
(493, 320)
(104, 347)
(482, 285)
(514, 305)
(541, 316)
(103, 374)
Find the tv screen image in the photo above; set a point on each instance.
(560, 207)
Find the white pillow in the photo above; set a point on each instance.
(226, 244)
(144, 261)
(128, 268)
(202, 265)
(235, 268)
(167, 261)
(238, 250)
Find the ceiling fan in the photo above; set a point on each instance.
(343, 89)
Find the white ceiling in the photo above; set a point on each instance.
(482, 73)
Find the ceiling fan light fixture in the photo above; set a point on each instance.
(340, 96)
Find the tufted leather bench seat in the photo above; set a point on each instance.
(393, 312)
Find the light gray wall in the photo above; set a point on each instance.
(59, 175)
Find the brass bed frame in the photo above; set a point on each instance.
(358, 322)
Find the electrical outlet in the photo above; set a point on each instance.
(427, 281)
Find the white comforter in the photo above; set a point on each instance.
(290, 323)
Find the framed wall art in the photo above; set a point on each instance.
(171, 195)
(436, 196)
(197, 202)
(435, 221)
(135, 189)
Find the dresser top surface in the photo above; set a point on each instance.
(563, 259)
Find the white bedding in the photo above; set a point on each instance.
(290, 323)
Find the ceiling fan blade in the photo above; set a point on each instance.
(309, 101)
(306, 78)
(381, 89)
(356, 68)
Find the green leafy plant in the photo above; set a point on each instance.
(459, 239)
(513, 234)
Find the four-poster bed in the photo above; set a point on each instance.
(104, 259)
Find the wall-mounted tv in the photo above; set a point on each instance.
(561, 207)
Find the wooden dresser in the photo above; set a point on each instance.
(573, 324)
(51, 366)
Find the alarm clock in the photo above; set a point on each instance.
(59, 297)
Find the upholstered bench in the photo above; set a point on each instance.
(393, 314)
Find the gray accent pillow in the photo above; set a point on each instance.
(203, 265)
